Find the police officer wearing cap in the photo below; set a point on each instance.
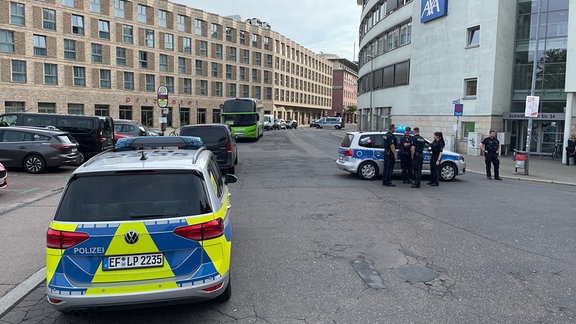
(417, 157)
(490, 147)
(405, 160)
(389, 156)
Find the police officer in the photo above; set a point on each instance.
(405, 160)
(389, 155)
(416, 154)
(436, 148)
(490, 147)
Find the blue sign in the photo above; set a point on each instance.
(432, 9)
(458, 109)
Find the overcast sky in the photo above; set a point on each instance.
(328, 26)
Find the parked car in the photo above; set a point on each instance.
(362, 153)
(154, 226)
(35, 149)
(294, 124)
(129, 127)
(282, 124)
(276, 124)
(218, 139)
(3, 177)
(94, 134)
(332, 122)
(268, 122)
(118, 136)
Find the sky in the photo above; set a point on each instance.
(322, 26)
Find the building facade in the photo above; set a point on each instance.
(344, 88)
(464, 67)
(108, 57)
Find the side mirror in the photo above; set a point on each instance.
(230, 178)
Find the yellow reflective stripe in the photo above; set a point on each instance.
(218, 249)
(131, 289)
(68, 227)
(53, 257)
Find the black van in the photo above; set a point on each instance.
(94, 133)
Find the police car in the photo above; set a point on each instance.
(148, 222)
(362, 153)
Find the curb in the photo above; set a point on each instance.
(22, 290)
(525, 178)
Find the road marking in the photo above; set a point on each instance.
(19, 292)
(21, 191)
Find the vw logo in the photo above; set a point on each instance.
(131, 237)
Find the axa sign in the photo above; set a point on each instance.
(432, 9)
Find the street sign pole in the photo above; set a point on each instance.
(162, 101)
(458, 111)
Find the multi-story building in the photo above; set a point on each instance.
(107, 57)
(424, 62)
(344, 88)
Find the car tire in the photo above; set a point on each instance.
(82, 158)
(226, 294)
(34, 164)
(368, 170)
(447, 172)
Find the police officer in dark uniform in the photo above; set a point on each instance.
(405, 160)
(490, 147)
(389, 155)
(436, 148)
(417, 157)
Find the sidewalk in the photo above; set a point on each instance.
(540, 168)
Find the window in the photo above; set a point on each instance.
(141, 13)
(242, 73)
(104, 29)
(50, 73)
(128, 80)
(187, 45)
(70, 49)
(150, 83)
(214, 30)
(228, 71)
(246, 91)
(214, 69)
(180, 21)
(40, 45)
(219, 51)
(266, 76)
(96, 53)
(246, 56)
(405, 34)
(258, 59)
(105, 81)
(163, 62)
(266, 43)
(162, 14)
(170, 84)
(143, 59)
(101, 110)
(471, 87)
(149, 37)
(467, 128)
(94, 5)
(204, 48)
(232, 54)
(218, 89)
(18, 71)
(229, 31)
(187, 86)
(255, 75)
(169, 42)
(79, 76)
(181, 65)
(119, 6)
(242, 37)
(49, 19)
(203, 87)
(269, 60)
(127, 34)
(232, 90)
(77, 25)
(75, 109)
(47, 107)
(198, 27)
(199, 64)
(258, 93)
(120, 56)
(255, 40)
(473, 36)
(17, 12)
(68, 3)
(6, 41)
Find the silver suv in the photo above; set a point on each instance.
(362, 153)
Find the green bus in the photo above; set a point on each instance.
(244, 116)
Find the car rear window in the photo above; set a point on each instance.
(347, 140)
(207, 134)
(133, 196)
(66, 139)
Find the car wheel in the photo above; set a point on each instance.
(447, 172)
(34, 164)
(368, 170)
(226, 294)
(82, 158)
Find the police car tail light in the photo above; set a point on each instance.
(212, 288)
(229, 148)
(204, 231)
(348, 153)
(64, 240)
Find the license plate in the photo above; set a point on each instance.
(134, 261)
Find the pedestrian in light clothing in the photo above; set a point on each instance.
(389, 156)
(405, 160)
(437, 147)
(571, 149)
(490, 146)
(416, 154)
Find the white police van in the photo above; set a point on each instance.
(335, 122)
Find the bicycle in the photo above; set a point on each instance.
(557, 153)
(175, 132)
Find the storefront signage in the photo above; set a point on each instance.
(540, 116)
(172, 102)
(432, 9)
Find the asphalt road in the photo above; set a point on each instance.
(312, 244)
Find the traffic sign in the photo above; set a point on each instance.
(458, 109)
(162, 97)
